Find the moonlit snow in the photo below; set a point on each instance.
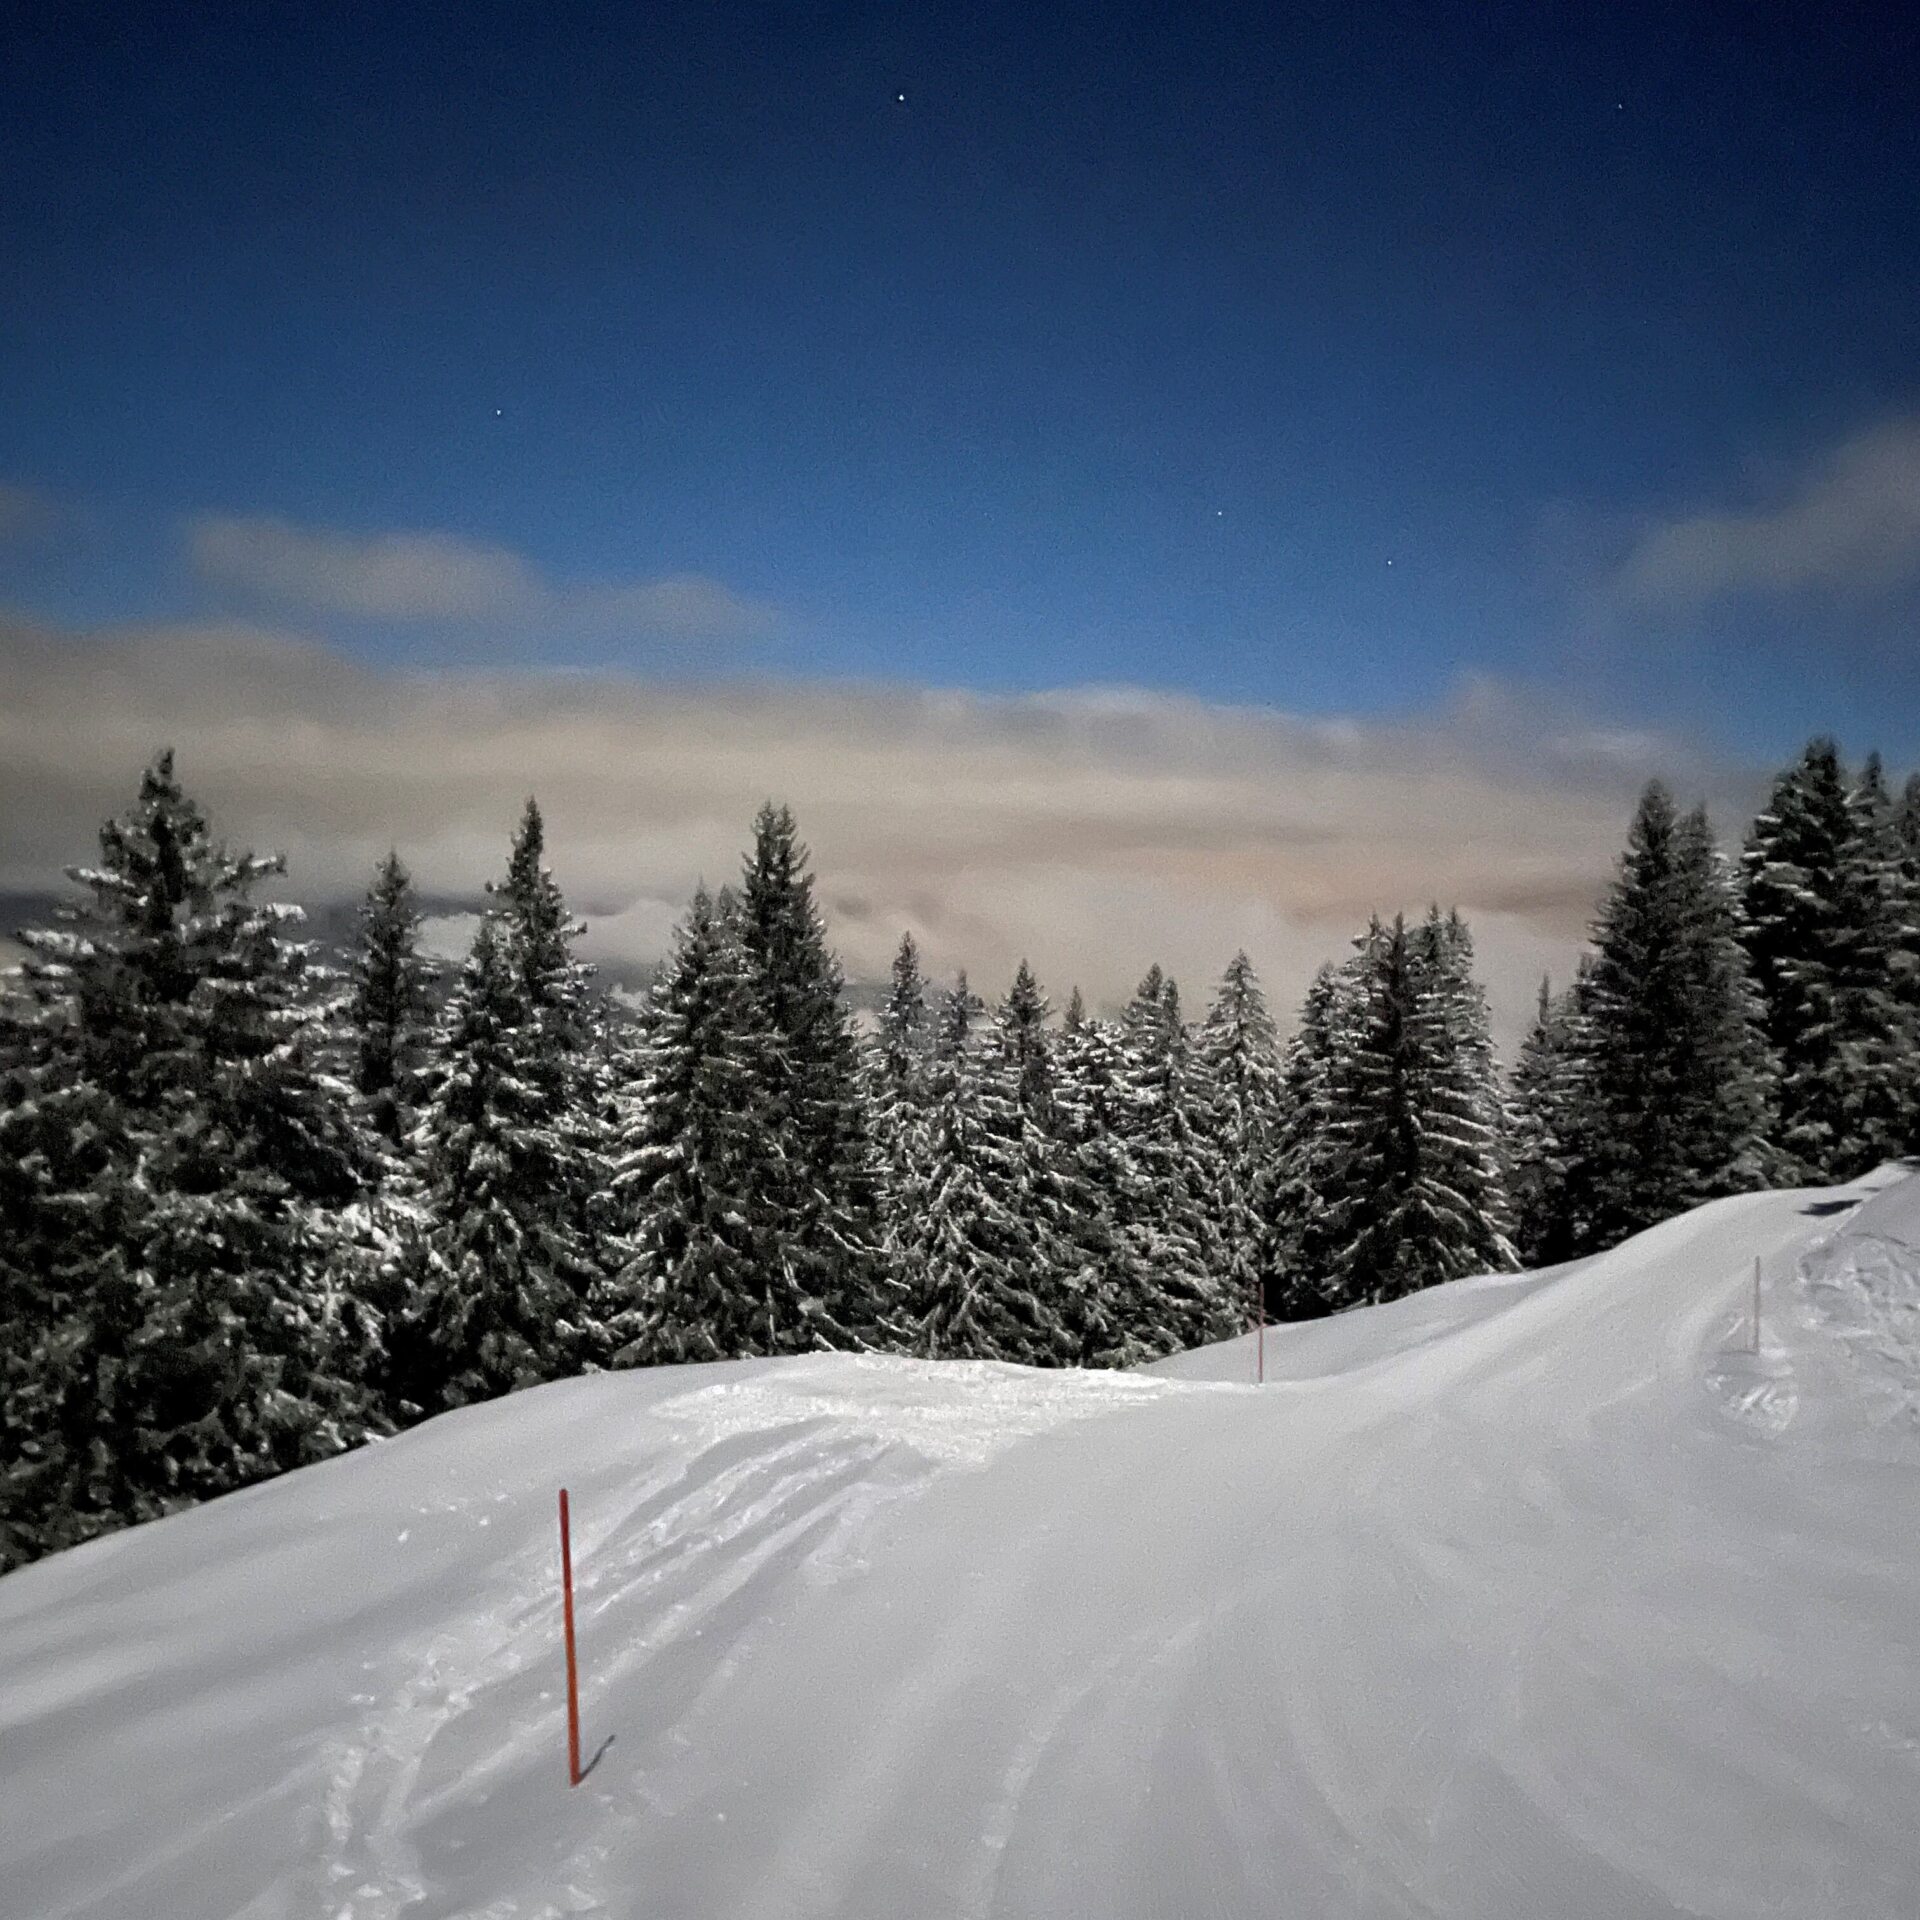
(1536, 1595)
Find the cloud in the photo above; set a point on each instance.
(1852, 522)
(447, 936)
(433, 577)
(1090, 830)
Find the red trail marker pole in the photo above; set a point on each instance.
(1260, 1344)
(573, 1671)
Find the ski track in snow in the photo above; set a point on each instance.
(861, 1435)
(1533, 1595)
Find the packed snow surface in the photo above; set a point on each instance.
(1534, 1596)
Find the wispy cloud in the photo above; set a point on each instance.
(435, 577)
(1851, 521)
(1090, 830)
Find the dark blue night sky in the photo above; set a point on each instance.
(1310, 356)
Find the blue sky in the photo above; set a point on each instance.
(1436, 419)
(1304, 356)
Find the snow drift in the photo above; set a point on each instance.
(1533, 1595)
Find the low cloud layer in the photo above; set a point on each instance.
(1092, 831)
(433, 577)
(1851, 522)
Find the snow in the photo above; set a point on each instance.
(1863, 1283)
(1531, 1595)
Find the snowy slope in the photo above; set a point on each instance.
(1529, 1597)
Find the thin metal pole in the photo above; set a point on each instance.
(1756, 1303)
(573, 1672)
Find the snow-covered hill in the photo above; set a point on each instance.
(1528, 1597)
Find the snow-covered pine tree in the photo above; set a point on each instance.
(565, 1045)
(1417, 1192)
(67, 1248)
(1533, 1174)
(957, 1025)
(1237, 1052)
(1304, 1158)
(1366, 1155)
(608, 1070)
(175, 1120)
(1906, 824)
(691, 1158)
(1732, 1106)
(500, 1281)
(538, 930)
(1119, 1301)
(897, 1065)
(1020, 1035)
(1547, 1154)
(824, 1274)
(389, 1010)
(953, 1024)
(1169, 1218)
(983, 1245)
(1881, 1047)
(1049, 1180)
(1906, 816)
(1816, 939)
(1674, 1097)
(1465, 1121)
(903, 1035)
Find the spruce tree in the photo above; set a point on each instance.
(904, 1031)
(1880, 1050)
(1534, 1148)
(170, 1120)
(564, 1052)
(1797, 931)
(68, 1257)
(1827, 935)
(560, 1014)
(539, 931)
(1238, 1056)
(1073, 1241)
(388, 1012)
(1118, 1304)
(1465, 1119)
(499, 1273)
(897, 1067)
(1369, 1159)
(1167, 1218)
(1674, 1101)
(1416, 1195)
(822, 1268)
(688, 1164)
(1907, 822)
(953, 1023)
(1906, 826)
(1020, 1035)
(1304, 1164)
(994, 1273)
(1549, 1150)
